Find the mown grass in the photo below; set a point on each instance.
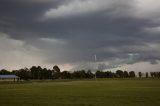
(100, 92)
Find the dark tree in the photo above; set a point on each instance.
(146, 74)
(125, 74)
(43, 74)
(56, 69)
(75, 75)
(48, 73)
(23, 73)
(132, 74)
(35, 72)
(82, 74)
(65, 75)
(158, 74)
(140, 74)
(119, 73)
(111, 74)
(152, 74)
(89, 74)
(56, 72)
(79, 74)
(100, 74)
(4, 72)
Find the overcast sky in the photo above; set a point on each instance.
(124, 34)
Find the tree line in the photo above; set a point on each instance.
(38, 73)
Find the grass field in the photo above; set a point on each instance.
(101, 92)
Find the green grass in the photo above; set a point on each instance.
(101, 92)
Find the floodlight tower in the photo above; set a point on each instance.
(95, 57)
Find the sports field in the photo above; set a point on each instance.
(100, 92)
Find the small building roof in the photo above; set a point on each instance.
(8, 76)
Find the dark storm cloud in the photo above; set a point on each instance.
(23, 17)
(67, 32)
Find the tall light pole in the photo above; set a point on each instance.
(95, 57)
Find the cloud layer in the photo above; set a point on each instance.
(70, 32)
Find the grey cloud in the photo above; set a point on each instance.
(16, 54)
(112, 32)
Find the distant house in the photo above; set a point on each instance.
(9, 78)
